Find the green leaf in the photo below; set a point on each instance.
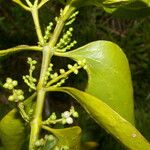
(120, 8)
(12, 131)
(110, 120)
(98, 3)
(109, 75)
(134, 10)
(67, 137)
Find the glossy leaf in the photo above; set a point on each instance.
(121, 8)
(110, 120)
(68, 137)
(99, 3)
(12, 131)
(134, 10)
(109, 75)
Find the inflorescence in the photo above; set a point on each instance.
(50, 142)
(29, 79)
(57, 79)
(66, 117)
(17, 94)
(65, 43)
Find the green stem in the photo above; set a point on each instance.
(37, 118)
(19, 48)
(48, 51)
(66, 74)
(35, 16)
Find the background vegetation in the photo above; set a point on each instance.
(133, 36)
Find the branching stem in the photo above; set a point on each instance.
(35, 16)
(48, 51)
(19, 48)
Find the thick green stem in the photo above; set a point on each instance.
(37, 118)
(48, 51)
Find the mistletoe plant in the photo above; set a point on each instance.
(108, 97)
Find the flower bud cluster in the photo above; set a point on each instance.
(29, 79)
(65, 40)
(17, 94)
(51, 75)
(47, 32)
(66, 117)
(68, 47)
(57, 79)
(72, 18)
(10, 84)
(82, 63)
(47, 138)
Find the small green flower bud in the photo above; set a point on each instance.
(6, 85)
(15, 83)
(9, 80)
(21, 97)
(10, 86)
(69, 66)
(62, 71)
(75, 71)
(11, 98)
(63, 121)
(53, 116)
(34, 80)
(55, 75)
(75, 114)
(34, 62)
(33, 67)
(70, 29)
(19, 92)
(51, 65)
(49, 69)
(85, 67)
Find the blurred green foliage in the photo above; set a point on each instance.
(133, 36)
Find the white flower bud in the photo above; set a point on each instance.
(69, 120)
(66, 114)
